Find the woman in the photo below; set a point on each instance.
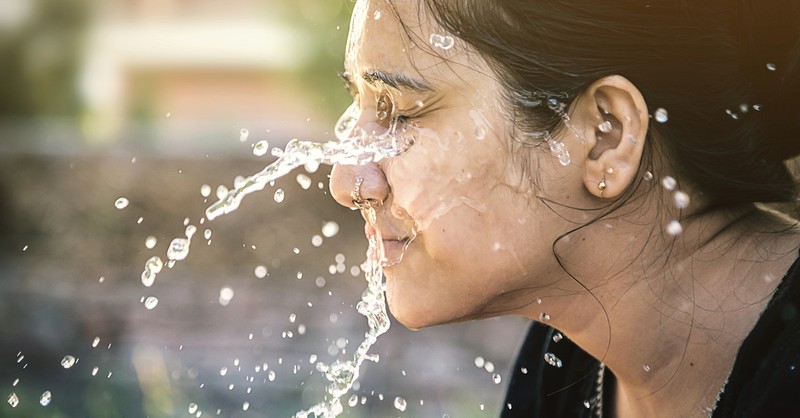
(594, 167)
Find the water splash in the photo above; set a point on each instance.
(121, 203)
(356, 150)
(552, 360)
(444, 42)
(343, 374)
(661, 115)
(45, 399)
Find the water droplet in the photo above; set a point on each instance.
(277, 152)
(150, 242)
(552, 360)
(646, 367)
(648, 176)
(96, 341)
(178, 249)
(292, 318)
(271, 375)
(523, 370)
(330, 229)
(222, 191)
(243, 134)
(261, 272)
(544, 317)
(225, 296)
(681, 200)
(316, 240)
(489, 367)
(674, 228)
(312, 167)
(586, 404)
(353, 401)
(207, 234)
(223, 371)
(557, 337)
(45, 399)
(260, 148)
(151, 269)
(246, 406)
(95, 370)
(377, 16)
(205, 190)
(192, 408)
(496, 378)
(480, 132)
(771, 66)
(279, 195)
(479, 362)
(661, 115)
(304, 181)
(444, 42)
(121, 203)
(68, 361)
(668, 182)
(151, 302)
(400, 403)
(13, 400)
(606, 127)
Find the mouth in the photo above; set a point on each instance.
(393, 246)
(393, 251)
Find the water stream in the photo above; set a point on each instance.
(351, 149)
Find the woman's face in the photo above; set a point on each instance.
(483, 242)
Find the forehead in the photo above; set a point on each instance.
(393, 36)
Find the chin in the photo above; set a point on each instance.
(415, 308)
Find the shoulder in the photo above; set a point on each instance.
(765, 380)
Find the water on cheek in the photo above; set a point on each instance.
(433, 183)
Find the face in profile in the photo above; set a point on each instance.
(482, 243)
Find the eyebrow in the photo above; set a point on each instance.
(397, 81)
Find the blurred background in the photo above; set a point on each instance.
(146, 100)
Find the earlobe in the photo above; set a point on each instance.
(615, 121)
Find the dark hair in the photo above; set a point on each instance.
(726, 72)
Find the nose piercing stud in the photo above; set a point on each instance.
(359, 201)
(356, 193)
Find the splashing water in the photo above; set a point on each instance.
(343, 374)
(552, 360)
(45, 399)
(444, 42)
(68, 361)
(355, 147)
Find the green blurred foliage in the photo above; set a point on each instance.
(40, 58)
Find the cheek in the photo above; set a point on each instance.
(440, 173)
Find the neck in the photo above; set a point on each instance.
(668, 319)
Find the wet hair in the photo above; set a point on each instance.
(726, 71)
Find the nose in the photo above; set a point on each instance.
(367, 182)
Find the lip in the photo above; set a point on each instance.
(393, 247)
(393, 250)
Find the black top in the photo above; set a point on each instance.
(764, 381)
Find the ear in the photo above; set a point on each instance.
(613, 117)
